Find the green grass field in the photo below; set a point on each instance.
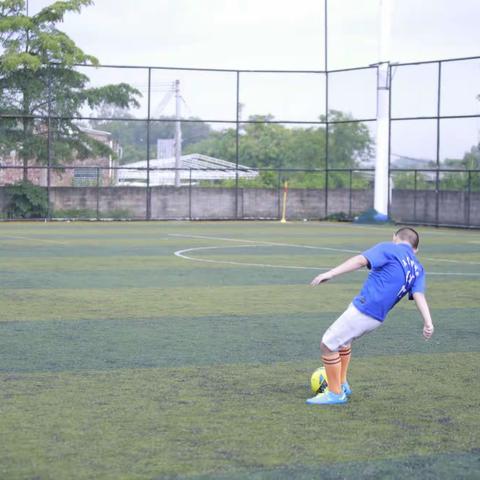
(120, 359)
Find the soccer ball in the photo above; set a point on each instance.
(318, 380)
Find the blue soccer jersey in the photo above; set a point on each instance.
(394, 272)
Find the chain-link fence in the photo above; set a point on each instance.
(209, 143)
(434, 142)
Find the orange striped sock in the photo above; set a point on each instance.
(333, 369)
(345, 355)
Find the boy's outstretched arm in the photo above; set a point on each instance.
(352, 264)
(422, 305)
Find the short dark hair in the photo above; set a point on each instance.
(409, 235)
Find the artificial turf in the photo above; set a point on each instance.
(119, 359)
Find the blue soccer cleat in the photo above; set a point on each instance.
(346, 389)
(328, 398)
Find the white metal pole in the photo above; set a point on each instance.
(178, 134)
(381, 193)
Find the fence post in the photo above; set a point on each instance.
(49, 139)
(98, 193)
(350, 196)
(148, 198)
(279, 182)
(437, 197)
(326, 192)
(437, 178)
(389, 146)
(469, 190)
(190, 194)
(237, 142)
(415, 196)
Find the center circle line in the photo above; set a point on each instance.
(182, 254)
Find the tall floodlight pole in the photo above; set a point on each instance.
(381, 194)
(178, 134)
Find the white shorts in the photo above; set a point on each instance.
(350, 325)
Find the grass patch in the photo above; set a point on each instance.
(56, 345)
(235, 418)
(120, 360)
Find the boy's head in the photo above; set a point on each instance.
(407, 235)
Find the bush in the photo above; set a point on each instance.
(338, 217)
(87, 213)
(26, 200)
(75, 213)
(118, 214)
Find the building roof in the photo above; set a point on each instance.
(193, 168)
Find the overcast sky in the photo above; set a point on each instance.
(288, 34)
(270, 34)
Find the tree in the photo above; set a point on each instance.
(40, 90)
(461, 180)
(410, 181)
(132, 134)
(220, 144)
(349, 141)
(263, 144)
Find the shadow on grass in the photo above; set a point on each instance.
(432, 467)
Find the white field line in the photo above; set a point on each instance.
(455, 274)
(17, 237)
(389, 228)
(181, 254)
(451, 261)
(439, 232)
(260, 243)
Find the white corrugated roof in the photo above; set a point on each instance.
(193, 167)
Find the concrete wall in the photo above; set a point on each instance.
(109, 201)
(454, 208)
(354, 203)
(169, 203)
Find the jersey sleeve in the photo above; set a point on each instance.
(418, 286)
(376, 256)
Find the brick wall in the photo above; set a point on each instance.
(169, 203)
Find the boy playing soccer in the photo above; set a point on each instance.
(394, 272)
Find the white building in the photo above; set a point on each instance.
(193, 169)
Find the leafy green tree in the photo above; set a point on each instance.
(270, 145)
(460, 180)
(132, 134)
(406, 181)
(305, 148)
(471, 160)
(349, 142)
(263, 144)
(38, 79)
(26, 200)
(219, 144)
